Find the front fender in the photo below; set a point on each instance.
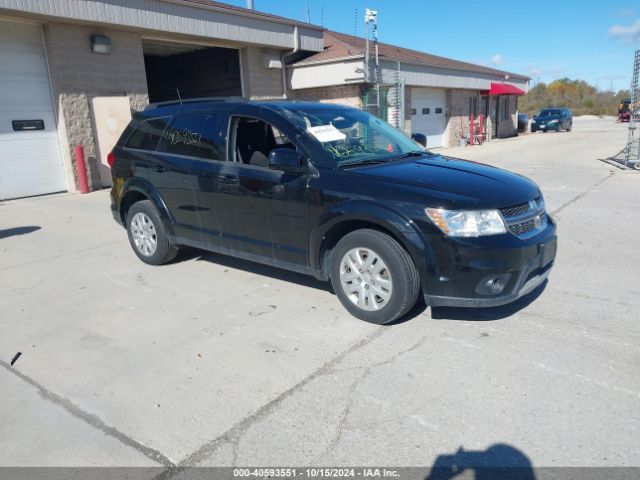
(400, 226)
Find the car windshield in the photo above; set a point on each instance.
(351, 137)
(550, 113)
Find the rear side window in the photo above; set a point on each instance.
(147, 134)
(196, 135)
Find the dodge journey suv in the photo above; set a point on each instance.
(332, 192)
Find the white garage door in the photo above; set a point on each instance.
(427, 108)
(30, 158)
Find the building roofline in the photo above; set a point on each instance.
(470, 67)
(246, 12)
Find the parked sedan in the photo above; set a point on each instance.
(523, 122)
(552, 119)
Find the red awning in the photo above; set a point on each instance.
(503, 89)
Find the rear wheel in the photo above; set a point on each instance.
(373, 276)
(147, 234)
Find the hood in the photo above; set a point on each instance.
(457, 183)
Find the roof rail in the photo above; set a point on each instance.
(194, 100)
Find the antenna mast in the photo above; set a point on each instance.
(355, 24)
(632, 154)
(371, 16)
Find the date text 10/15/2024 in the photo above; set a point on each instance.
(315, 472)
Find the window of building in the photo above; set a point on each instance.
(147, 134)
(473, 106)
(426, 111)
(196, 136)
(505, 108)
(413, 111)
(438, 110)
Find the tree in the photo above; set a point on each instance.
(578, 95)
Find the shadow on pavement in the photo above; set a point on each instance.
(487, 314)
(252, 267)
(12, 232)
(437, 313)
(498, 462)
(186, 254)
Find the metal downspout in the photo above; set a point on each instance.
(283, 59)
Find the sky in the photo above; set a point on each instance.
(592, 40)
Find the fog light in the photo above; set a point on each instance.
(493, 285)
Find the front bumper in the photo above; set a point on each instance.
(464, 268)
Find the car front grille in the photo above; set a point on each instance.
(525, 219)
(515, 211)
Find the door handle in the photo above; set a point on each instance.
(232, 179)
(159, 169)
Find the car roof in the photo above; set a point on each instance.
(228, 103)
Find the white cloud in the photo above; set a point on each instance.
(497, 59)
(629, 34)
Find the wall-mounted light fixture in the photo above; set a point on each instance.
(100, 44)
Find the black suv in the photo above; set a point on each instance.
(552, 119)
(333, 192)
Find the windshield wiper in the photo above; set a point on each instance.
(412, 153)
(371, 161)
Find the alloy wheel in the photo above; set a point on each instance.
(144, 235)
(365, 279)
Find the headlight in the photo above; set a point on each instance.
(533, 121)
(471, 223)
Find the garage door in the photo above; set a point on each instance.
(30, 158)
(427, 109)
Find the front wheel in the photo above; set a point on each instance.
(373, 276)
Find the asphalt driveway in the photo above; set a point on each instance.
(215, 361)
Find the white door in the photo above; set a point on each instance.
(111, 115)
(427, 114)
(30, 157)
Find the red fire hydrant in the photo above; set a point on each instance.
(82, 169)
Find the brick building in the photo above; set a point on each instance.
(72, 72)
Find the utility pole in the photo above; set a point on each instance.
(308, 16)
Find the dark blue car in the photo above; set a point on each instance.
(552, 119)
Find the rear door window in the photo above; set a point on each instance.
(147, 134)
(197, 135)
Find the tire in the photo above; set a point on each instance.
(570, 127)
(147, 234)
(379, 294)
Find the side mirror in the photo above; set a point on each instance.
(420, 138)
(287, 159)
